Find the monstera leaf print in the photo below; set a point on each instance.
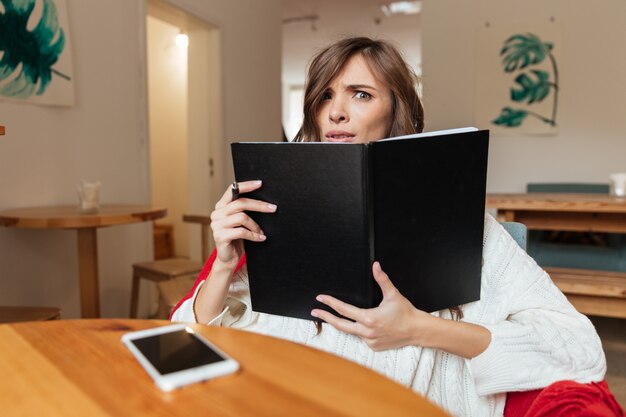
(533, 85)
(531, 90)
(36, 50)
(520, 51)
(511, 117)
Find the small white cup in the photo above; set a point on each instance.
(89, 197)
(618, 184)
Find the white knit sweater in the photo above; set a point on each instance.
(537, 337)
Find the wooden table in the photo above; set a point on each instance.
(591, 291)
(556, 211)
(80, 368)
(68, 217)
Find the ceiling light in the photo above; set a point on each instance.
(402, 7)
(182, 40)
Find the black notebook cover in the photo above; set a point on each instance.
(416, 204)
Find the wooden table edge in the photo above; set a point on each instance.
(408, 402)
(136, 214)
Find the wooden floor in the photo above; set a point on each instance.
(612, 331)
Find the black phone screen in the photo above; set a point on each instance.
(176, 351)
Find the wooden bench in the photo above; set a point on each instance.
(593, 292)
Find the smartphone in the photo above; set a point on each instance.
(175, 356)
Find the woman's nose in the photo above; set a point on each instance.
(338, 113)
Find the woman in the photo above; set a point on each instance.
(521, 335)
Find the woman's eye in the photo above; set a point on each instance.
(326, 96)
(362, 95)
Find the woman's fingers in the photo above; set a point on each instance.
(244, 187)
(383, 280)
(246, 204)
(230, 235)
(241, 205)
(343, 325)
(240, 219)
(345, 309)
(240, 222)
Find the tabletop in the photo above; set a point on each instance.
(601, 203)
(80, 367)
(69, 217)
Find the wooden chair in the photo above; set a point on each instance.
(12, 314)
(172, 291)
(158, 271)
(204, 221)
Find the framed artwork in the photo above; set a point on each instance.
(35, 53)
(517, 78)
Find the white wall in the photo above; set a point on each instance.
(47, 150)
(591, 142)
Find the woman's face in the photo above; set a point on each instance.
(356, 106)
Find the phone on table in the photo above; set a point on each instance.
(175, 355)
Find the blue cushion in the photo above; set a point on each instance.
(566, 187)
(567, 255)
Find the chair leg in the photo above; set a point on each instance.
(134, 296)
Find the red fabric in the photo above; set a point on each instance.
(517, 403)
(203, 276)
(564, 399)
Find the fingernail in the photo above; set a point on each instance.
(319, 298)
(262, 237)
(314, 313)
(377, 266)
(272, 207)
(257, 182)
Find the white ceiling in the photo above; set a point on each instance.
(339, 18)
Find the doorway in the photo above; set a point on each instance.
(184, 115)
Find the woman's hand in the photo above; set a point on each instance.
(393, 324)
(396, 323)
(230, 226)
(230, 223)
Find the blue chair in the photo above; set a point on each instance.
(517, 231)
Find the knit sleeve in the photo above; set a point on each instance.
(537, 336)
(184, 310)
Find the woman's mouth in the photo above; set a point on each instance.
(339, 136)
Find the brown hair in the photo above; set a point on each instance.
(389, 67)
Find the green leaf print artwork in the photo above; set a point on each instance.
(510, 117)
(519, 53)
(35, 50)
(531, 90)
